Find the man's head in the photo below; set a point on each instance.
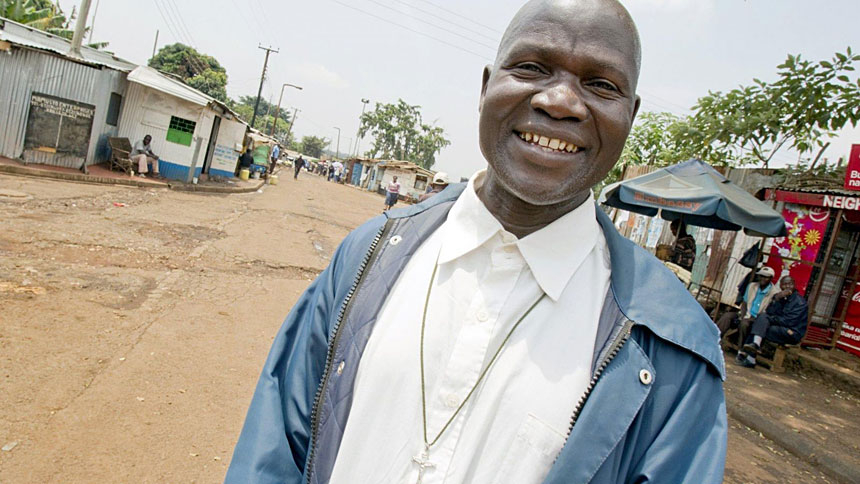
(394, 179)
(565, 76)
(440, 180)
(764, 276)
(787, 284)
(147, 139)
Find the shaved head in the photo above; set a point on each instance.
(599, 10)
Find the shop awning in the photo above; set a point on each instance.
(697, 193)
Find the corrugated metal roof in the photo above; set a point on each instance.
(150, 77)
(823, 190)
(24, 36)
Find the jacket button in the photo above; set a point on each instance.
(645, 377)
(340, 367)
(395, 240)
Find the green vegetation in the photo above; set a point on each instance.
(399, 133)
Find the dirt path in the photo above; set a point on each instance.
(135, 323)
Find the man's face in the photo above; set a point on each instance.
(787, 284)
(147, 139)
(565, 77)
(763, 280)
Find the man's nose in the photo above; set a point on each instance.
(562, 100)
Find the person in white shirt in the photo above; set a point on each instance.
(391, 194)
(502, 332)
(143, 155)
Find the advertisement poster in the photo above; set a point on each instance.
(849, 339)
(806, 227)
(852, 172)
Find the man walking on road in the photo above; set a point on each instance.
(502, 331)
(300, 163)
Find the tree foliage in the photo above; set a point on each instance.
(400, 133)
(807, 104)
(44, 15)
(312, 146)
(265, 116)
(200, 71)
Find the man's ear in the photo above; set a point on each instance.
(636, 107)
(488, 71)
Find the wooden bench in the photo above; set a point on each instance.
(771, 354)
(120, 155)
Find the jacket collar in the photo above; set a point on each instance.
(645, 291)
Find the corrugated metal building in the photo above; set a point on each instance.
(36, 70)
(177, 116)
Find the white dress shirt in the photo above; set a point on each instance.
(515, 423)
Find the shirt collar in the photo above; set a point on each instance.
(553, 253)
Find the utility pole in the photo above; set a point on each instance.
(80, 29)
(155, 44)
(337, 155)
(364, 103)
(268, 50)
(295, 117)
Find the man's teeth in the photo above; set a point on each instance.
(549, 143)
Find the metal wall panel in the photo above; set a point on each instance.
(24, 71)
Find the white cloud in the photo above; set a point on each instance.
(318, 74)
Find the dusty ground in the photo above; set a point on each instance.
(131, 336)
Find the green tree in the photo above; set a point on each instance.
(265, 116)
(43, 15)
(313, 146)
(399, 133)
(808, 103)
(201, 71)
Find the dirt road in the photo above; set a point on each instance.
(135, 322)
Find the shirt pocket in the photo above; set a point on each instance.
(531, 454)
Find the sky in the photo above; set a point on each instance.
(431, 53)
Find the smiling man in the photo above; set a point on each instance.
(502, 331)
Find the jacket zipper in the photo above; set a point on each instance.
(616, 346)
(333, 344)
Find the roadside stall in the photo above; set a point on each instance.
(261, 145)
(821, 253)
(697, 194)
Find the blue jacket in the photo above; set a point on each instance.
(654, 411)
(790, 312)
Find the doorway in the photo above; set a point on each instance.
(213, 138)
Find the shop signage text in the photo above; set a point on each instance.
(852, 173)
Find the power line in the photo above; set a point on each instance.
(492, 39)
(452, 12)
(415, 17)
(481, 56)
(181, 21)
(169, 24)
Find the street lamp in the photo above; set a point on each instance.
(337, 155)
(364, 103)
(275, 122)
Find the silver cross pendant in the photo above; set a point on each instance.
(423, 462)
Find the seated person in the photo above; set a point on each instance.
(756, 297)
(142, 154)
(684, 251)
(784, 322)
(245, 160)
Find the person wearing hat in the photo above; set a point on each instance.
(440, 182)
(783, 322)
(755, 296)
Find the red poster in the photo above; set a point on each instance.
(806, 227)
(852, 174)
(849, 340)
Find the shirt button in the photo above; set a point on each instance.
(511, 249)
(452, 401)
(482, 316)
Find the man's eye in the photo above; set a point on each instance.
(530, 67)
(604, 85)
